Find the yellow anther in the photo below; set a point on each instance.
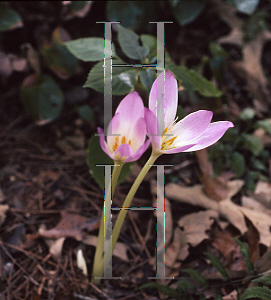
(123, 140)
(129, 142)
(115, 146)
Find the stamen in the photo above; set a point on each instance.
(115, 146)
(129, 142)
(123, 140)
(170, 142)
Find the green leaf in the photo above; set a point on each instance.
(265, 125)
(263, 293)
(237, 163)
(123, 78)
(186, 11)
(246, 6)
(247, 114)
(129, 43)
(59, 59)
(86, 112)
(197, 277)
(253, 143)
(133, 14)
(90, 49)
(186, 287)
(96, 156)
(193, 81)
(168, 291)
(78, 5)
(245, 251)
(147, 77)
(9, 19)
(151, 42)
(263, 280)
(42, 98)
(218, 265)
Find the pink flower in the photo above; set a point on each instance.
(192, 133)
(129, 122)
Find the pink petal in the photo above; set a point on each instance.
(179, 149)
(211, 135)
(103, 143)
(131, 107)
(151, 123)
(191, 127)
(170, 95)
(137, 135)
(123, 152)
(139, 152)
(114, 127)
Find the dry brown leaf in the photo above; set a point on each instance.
(250, 67)
(194, 227)
(232, 296)
(215, 188)
(173, 250)
(195, 196)
(262, 222)
(71, 225)
(225, 244)
(3, 209)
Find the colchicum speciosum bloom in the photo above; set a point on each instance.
(194, 132)
(130, 124)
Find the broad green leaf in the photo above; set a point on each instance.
(123, 78)
(96, 156)
(9, 18)
(193, 81)
(266, 125)
(253, 143)
(151, 42)
(78, 5)
(91, 49)
(187, 11)
(57, 56)
(237, 163)
(86, 112)
(147, 77)
(129, 43)
(263, 293)
(133, 14)
(218, 265)
(42, 98)
(246, 6)
(247, 114)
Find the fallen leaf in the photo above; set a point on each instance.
(71, 225)
(194, 227)
(3, 209)
(226, 245)
(250, 68)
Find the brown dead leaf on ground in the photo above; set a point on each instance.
(215, 188)
(226, 245)
(194, 227)
(71, 225)
(250, 68)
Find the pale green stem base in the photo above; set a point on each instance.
(122, 214)
(98, 257)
